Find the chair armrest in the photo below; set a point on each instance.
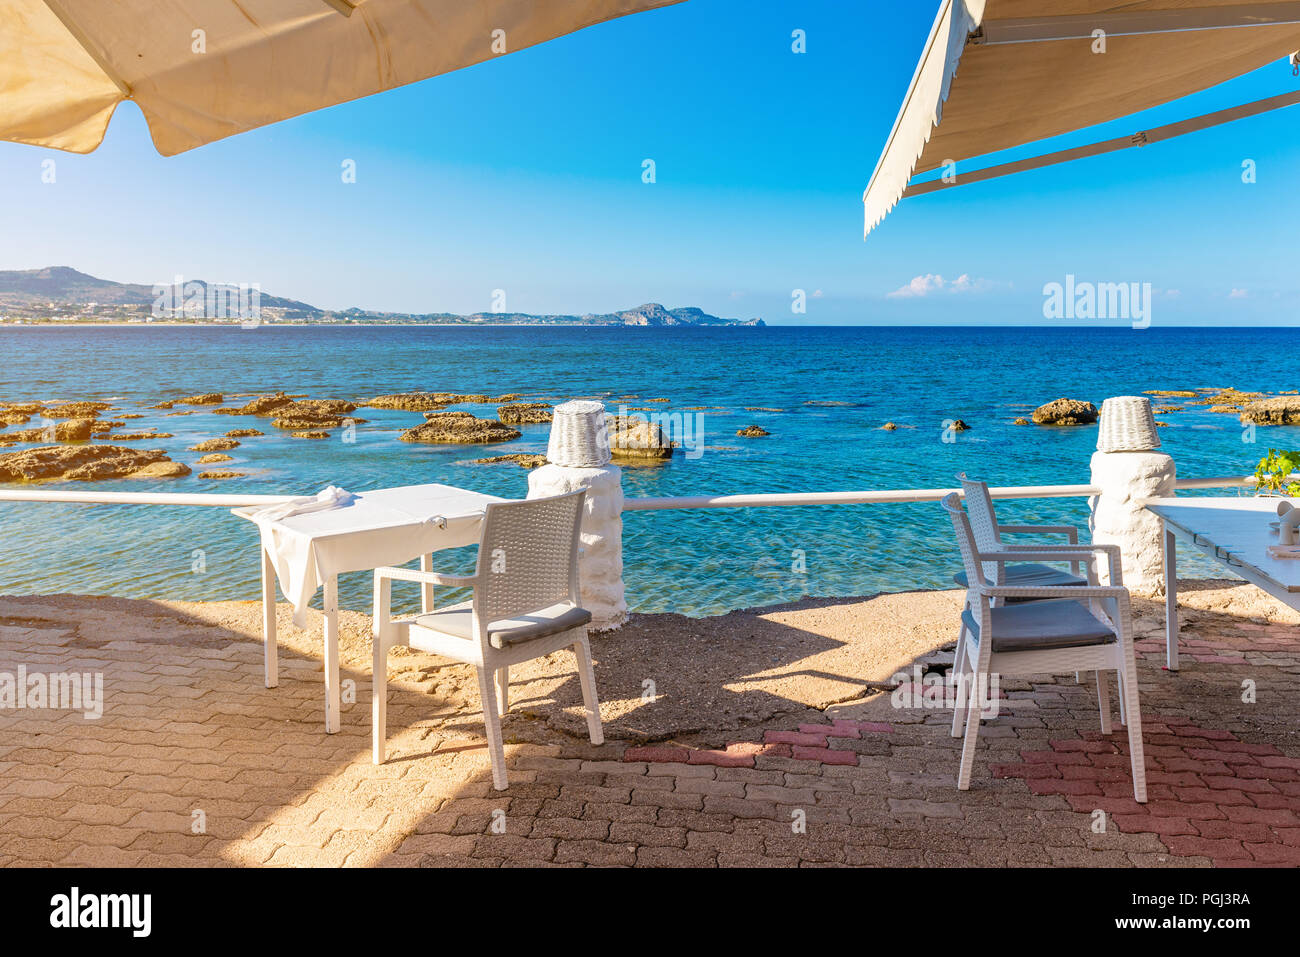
(1061, 553)
(431, 578)
(1069, 531)
(1053, 591)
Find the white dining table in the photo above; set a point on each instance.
(1233, 531)
(389, 526)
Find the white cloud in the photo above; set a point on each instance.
(1238, 294)
(922, 286)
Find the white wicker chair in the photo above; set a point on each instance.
(988, 538)
(524, 606)
(1043, 636)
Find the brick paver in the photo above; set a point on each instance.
(194, 762)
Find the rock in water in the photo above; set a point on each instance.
(314, 409)
(1020, 420)
(959, 426)
(206, 398)
(306, 423)
(76, 410)
(212, 458)
(408, 402)
(890, 426)
(524, 413)
(632, 437)
(215, 445)
(752, 432)
(73, 430)
(262, 405)
(524, 460)
(243, 433)
(1282, 410)
(459, 428)
(1065, 412)
(87, 463)
(221, 474)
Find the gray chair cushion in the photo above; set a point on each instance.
(1030, 574)
(1039, 625)
(458, 620)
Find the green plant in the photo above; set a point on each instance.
(1276, 472)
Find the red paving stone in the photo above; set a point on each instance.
(1228, 804)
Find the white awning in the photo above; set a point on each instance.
(1002, 73)
(201, 70)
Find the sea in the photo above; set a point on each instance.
(822, 393)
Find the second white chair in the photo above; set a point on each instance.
(1053, 629)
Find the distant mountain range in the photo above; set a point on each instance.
(60, 293)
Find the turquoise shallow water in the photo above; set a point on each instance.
(695, 562)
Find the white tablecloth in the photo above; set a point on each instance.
(384, 527)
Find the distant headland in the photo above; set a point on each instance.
(61, 294)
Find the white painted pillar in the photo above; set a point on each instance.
(578, 457)
(1127, 473)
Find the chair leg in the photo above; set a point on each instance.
(587, 678)
(1133, 718)
(492, 718)
(379, 698)
(1123, 698)
(968, 745)
(1103, 699)
(959, 669)
(503, 689)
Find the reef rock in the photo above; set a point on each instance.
(212, 458)
(1282, 410)
(297, 424)
(87, 463)
(215, 445)
(525, 413)
(459, 428)
(633, 437)
(243, 433)
(262, 405)
(206, 398)
(524, 460)
(754, 432)
(1065, 412)
(314, 409)
(221, 474)
(73, 430)
(76, 410)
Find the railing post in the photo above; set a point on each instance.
(1126, 469)
(578, 457)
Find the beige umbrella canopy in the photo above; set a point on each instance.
(1001, 73)
(201, 70)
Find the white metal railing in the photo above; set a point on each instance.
(759, 500)
(900, 495)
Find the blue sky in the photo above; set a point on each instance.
(524, 174)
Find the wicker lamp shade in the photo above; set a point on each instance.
(1127, 425)
(578, 436)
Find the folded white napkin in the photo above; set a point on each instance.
(330, 497)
